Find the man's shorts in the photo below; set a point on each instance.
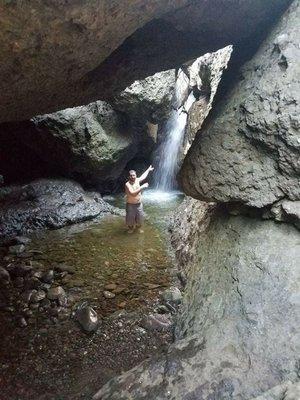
(134, 214)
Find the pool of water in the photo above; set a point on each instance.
(103, 253)
(56, 360)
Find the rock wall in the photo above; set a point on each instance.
(249, 152)
(237, 333)
(57, 53)
(93, 144)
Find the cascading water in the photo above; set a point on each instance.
(165, 177)
(167, 167)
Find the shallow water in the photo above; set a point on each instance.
(104, 253)
(57, 360)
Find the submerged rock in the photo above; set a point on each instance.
(16, 249)
(172, 295)
(55, 292)
(64, 268)
(38, 296)
(48, 276)
(157, 322)
(108, 295)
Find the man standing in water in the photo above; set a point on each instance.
(134, 206)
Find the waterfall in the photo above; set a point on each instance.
(169, 151)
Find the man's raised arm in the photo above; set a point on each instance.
(146, 173)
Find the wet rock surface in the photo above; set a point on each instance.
(237, 331)
(47, 204)
(249, 152)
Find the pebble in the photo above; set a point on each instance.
(4, 274)
(162, 309)
(37, 274)
(22, 322)
(54, 292)
(45, 286)
(119, 289)
(26, 296)
(87, 318)
(34, 306)
(151, 285)
(27, 313)
(157, 322)
(111, 286)
(38, 296)
(33, 283)
(172, 295)
(62, 300)
(108, 295)
(21, 240)
(48, 276)
(46, 303)
(64, 268)
(16, 249)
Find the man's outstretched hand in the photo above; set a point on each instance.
(150, 168)
(145, 185)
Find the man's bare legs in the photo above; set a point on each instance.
(130, 229)
(139, 228)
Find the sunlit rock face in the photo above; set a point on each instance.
(54, 51)
(249, 153)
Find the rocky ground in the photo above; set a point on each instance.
(59, 339)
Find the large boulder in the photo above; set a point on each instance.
(55, 52)
(93, 142)
(249, 153)
(237, 333)
(148, 99)
(47, 204)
